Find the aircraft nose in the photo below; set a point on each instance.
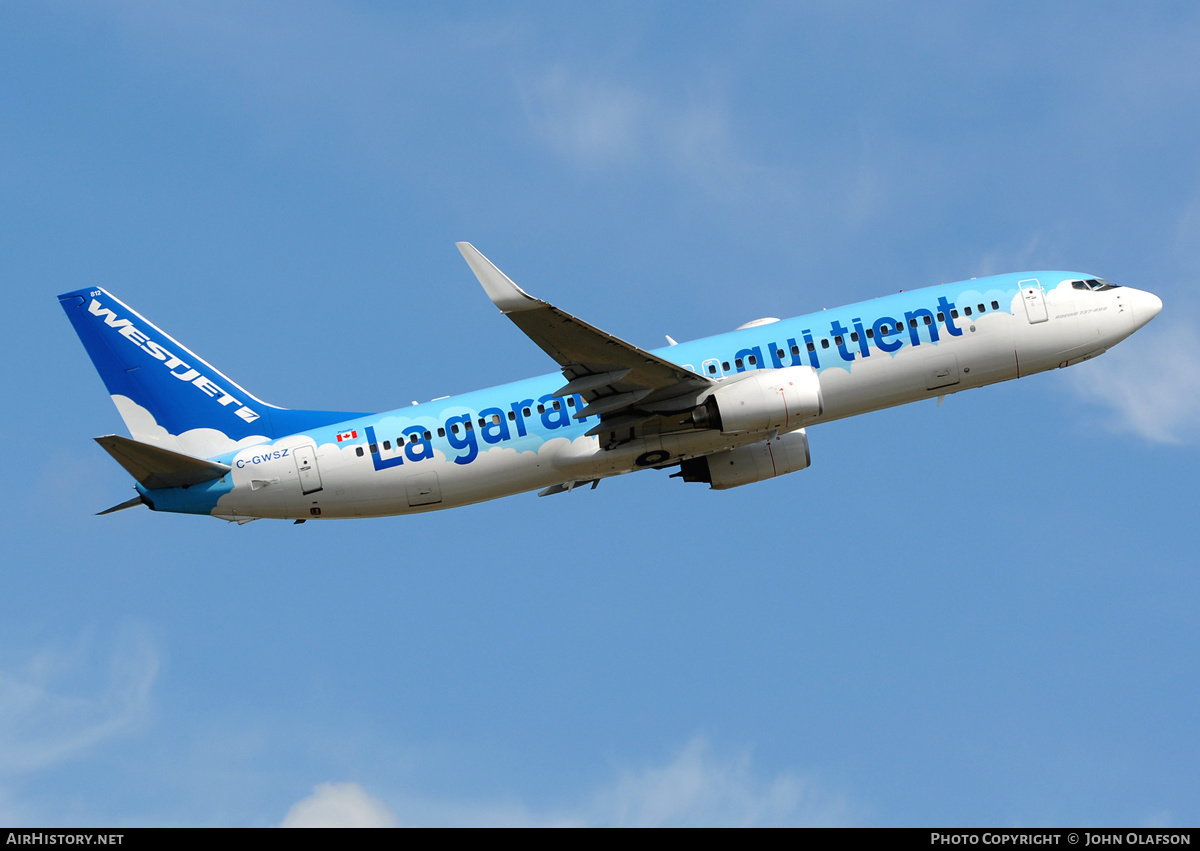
(1145, 306)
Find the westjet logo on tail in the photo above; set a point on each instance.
(172, 362)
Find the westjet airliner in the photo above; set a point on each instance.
(726, 410)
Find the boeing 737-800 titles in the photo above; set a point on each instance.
(726, 410)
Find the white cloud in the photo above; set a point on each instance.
(339, 805)
(42, 724)
(1151, 382)
(697, 787)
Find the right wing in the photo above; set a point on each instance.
(627, 387)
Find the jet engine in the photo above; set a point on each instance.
(762, 400)
(766, 459)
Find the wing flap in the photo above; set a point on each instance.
(590, 382)
(582, 350)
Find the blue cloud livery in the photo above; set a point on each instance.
(726, 410)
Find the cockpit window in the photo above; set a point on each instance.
(1094, 284)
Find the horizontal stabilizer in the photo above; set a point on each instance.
(154, 468)
(129, 503)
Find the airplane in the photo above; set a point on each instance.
(726, 411)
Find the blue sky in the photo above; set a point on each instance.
(979, 614)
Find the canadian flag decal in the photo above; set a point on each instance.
(347, 435)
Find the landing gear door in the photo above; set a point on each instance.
(1035, 300)
(306, 468)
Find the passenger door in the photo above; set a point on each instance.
(306, 468)
(1035, 300)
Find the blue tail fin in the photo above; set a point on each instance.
(169, 396)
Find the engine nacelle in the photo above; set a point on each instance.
(763, 400)
(766, 459)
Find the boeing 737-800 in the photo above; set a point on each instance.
(727, 410)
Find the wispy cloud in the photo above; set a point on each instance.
(1151, 382)
(1034, 254)
(700, 788)
(697, 787)
(42, 722)
(599, 123)
(590, 122)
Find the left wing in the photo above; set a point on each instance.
(628, 387)
(154, 467)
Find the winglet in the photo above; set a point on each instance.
(503, 292)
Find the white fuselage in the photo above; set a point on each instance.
(512, 447)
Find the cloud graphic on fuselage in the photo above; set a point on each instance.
(197, 442)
